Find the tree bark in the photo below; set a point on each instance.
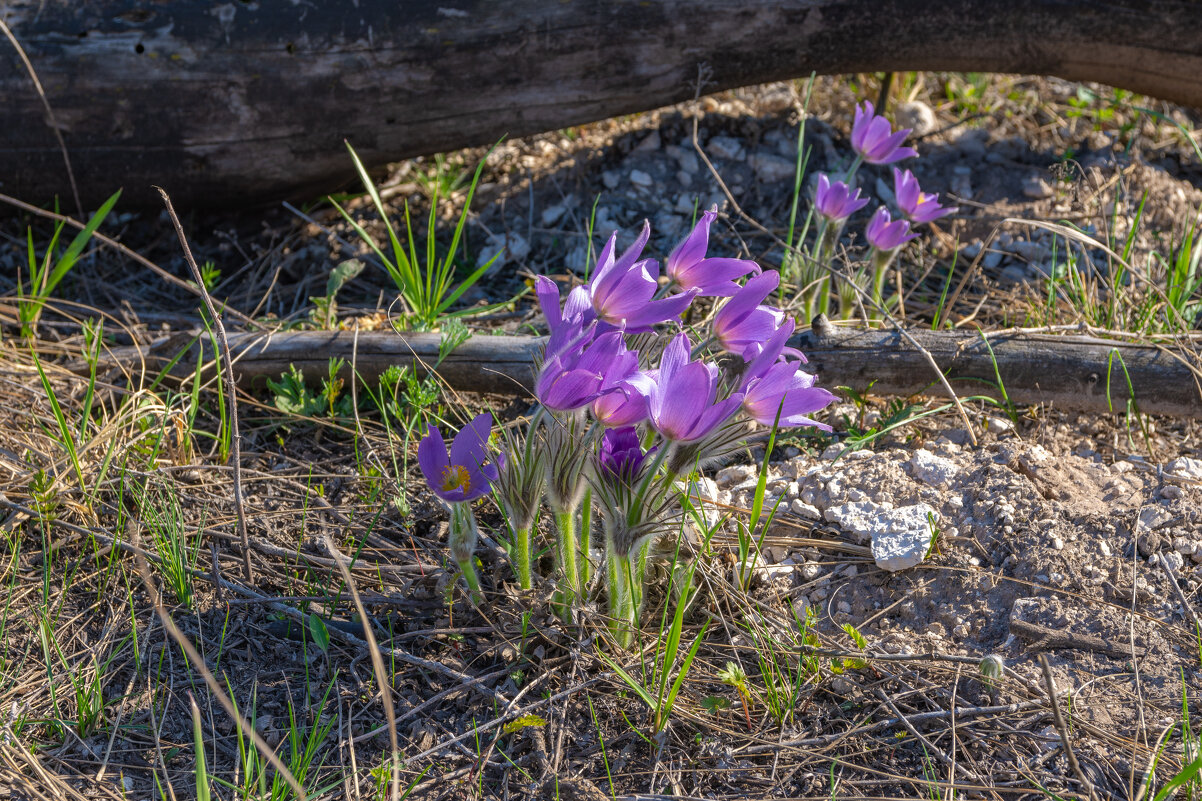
(248, 101)
(1069, 372)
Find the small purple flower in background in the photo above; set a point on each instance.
(682, 403)
(621, 455)
(578, 376)
(622, 407)
(464, 476)
(886, 235)
(914, 203)
(743, 324)
(622, 289)
(786, 389)
(688, 268)
(874, 140)
(835, 201)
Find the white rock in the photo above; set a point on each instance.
(917, 116)
(1184, 467)
(733, 474)
(611, 179)
(1036, 188)
(903, 537)
(1152, 517)
(640, 178)
(770, 168)
(1172, 559)
(998, 425)
(1183, 546)
(810, 571)
(552, 213)
(931, 469)
(725, 147)
(513, 248)
(900, 537)
(650, 143)
(803, 509)
(704, 488)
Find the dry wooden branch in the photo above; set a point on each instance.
(239, 103)
(1069, 372)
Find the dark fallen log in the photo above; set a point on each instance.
(243, 102)
(1068, 372)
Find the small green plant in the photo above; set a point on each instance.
(324, 313)
(46, 272)
(424, 283)
(734, 676)
(177, 550)
(293, 396)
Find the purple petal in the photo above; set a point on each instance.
(692, 248)
(683, 402)
(470, 448)
(675, 356)
(432, 457)
(548, 299)
(717, 415)
(658, 311)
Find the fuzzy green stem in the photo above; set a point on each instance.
(522, 558)
(586, 529)
(622, 610)
(461, 539)
(565, 521)
(881, 259)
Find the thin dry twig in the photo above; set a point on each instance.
(231, 390)
(1058, 720)
(51, 119)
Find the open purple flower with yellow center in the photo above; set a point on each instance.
(689, 269)
(873, 138)
(886, 234)
(682, 403)
(578, 375)
(917, 205)
(622, 290)
(622, 407)
(744, 324)
(463, 476)
(835, 200)
(621, 454)
(785, 389)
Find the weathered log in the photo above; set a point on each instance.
(241, 102)
(1069, 372)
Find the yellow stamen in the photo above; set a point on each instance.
(456, 477)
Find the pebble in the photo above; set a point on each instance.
(917, 116)
(777, 99)
(611, 179)
(844, 607)
(931, 469)
(991, 259)
(513, 248)
(551, 214)
(640, 178)
(810, 571)
(1036, 188)
(725, 147)
(1172, 559)
(1057, 544)
(803, 509)
(1184, 467)
(733, 474)
(998, 425)
(771, 168)
(650, 143)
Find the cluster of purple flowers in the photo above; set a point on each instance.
(874, 142)
(622, 386)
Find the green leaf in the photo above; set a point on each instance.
(321, 635)
(341, 274)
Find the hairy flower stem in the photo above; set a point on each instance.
(461, 539)
(881, 259)
(586, 530)
(522, 558)
(568, 547)
(625, 590)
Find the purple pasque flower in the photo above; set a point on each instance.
(886, 234)
(621, 454)
(622, 289)
(835, 201)
(773, 351)
(785, 389)
(744, 324)
(682, 403)
(581, 373)
(625, 405)
(874, 140)
(917, 205)
(463, 476)
(688, 268)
